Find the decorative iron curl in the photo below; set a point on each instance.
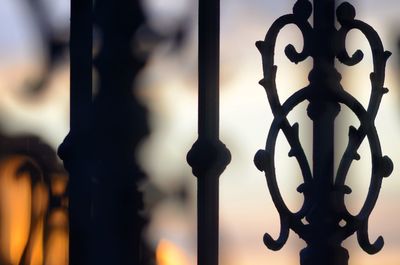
(382, 166)
(264, 160)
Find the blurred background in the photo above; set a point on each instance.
(34, 119)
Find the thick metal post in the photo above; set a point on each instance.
(119, 125)
(323, 110)
(106, 128)
(208, 185)
(74, 150)
(209, 29)
(208, 156)
(81, 45)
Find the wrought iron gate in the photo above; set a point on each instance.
(318, 222)
(104, 224)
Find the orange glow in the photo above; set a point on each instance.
(15, 209)
(36, 251)
(22, 218)
(168, 253)
(57, 243)
(59, 184)
(40, 204)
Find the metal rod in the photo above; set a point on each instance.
(208, 186)
(81, 64)
(119, 125)
(324, 26)
(80, 105)
(214, 156)
(208, 218)
(322, 109)
(209, 68)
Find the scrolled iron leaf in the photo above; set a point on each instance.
(303, 187)
(261, 45)
(386, 55)
(357, 156)
(343, 189)
(293, 55)
(302, 9)
(356, 58)
(263, 82)
(363, 240)
(386, 166)
(295, 148)
(345, 12)
(260, 160)
(283, 236)
(354, 134)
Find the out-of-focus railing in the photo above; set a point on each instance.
(33, 204)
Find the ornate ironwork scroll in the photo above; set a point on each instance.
(329, 222)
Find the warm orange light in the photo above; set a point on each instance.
(168, 253)
(57, 243)
(36, 250)
(15, 209)
(38, 211)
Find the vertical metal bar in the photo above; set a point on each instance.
(105, 225)
(209, 12)
(208, 156)
(208, 220)
(80, 105)
(208, 185)
(324, 26)
(323, 110)
(119, 125)
(81, 65)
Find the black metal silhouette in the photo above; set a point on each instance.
(324, 206)
(106, 128)
(208, 156)
(75, 150)
(120, 124)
